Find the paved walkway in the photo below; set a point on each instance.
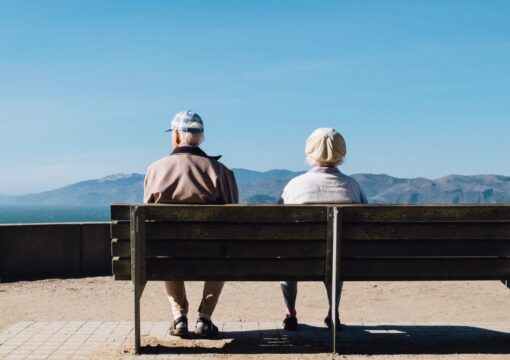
(85, 340)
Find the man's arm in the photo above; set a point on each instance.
(147, 195)
(230, 193)
(363, 197)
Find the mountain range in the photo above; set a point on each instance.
(257, 187)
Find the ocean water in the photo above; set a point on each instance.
(52, 214)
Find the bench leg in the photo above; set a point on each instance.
(333, 317)
(138, 274)
(506, 283)
(334, 281)
(137, 323)
(139, 287)
(332, 268)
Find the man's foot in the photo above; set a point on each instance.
(290, 323)
(179, 327)
(329, 323)
(205, 328)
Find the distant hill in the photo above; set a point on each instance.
(452, 189)
(101, 192)
(266, 187)
(257, 187)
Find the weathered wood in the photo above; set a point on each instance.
(336, 261)
(426, 230)
(228, 269)
(312, 270)
(328, 270)
(122, 277)
(233, 213)
(137, 247)
(425, 269)
(310, 231)
(304, 249)
(138, 264)
(425, 248)
(425, 213)
(226, 248)
(221, 230)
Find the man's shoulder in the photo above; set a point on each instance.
(158, 163)
(222, 166)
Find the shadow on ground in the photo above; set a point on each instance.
(354, 339)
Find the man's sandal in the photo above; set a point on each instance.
(179, 327)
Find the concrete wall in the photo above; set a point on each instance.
(54, 250)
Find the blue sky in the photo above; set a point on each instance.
(417, 88)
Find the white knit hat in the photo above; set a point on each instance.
(326, 146)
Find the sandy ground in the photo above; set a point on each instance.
(103, 299)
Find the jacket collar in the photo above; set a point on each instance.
(324, 170)
(193, 150)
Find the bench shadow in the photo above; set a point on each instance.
(423, 339)
(354, 339)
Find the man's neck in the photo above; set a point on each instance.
(187, 145)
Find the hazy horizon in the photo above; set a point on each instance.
(261, 171)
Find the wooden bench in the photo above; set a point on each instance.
(308, 243)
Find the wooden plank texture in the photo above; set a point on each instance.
(313, 213)
(424, 269)
(425, 213)
(226, 248)
(313, 270)
(228, 269)
(303, 249)
(425, 248)
(226, 231)
(426, 231)
(233, 213)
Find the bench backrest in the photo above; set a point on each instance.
(376, 242)
(454, 242)
(225, 242)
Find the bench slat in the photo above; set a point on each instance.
(226, 248)
(227, 269)
(317, 213)
(234, 213)
(426, 231)
(302, 249)
(424, 213)
(222, 230)
(424, 269)
(425, 248)
(316, 231)
(313, 270)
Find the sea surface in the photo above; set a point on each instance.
(52, 214)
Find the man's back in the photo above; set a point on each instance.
(190, 176)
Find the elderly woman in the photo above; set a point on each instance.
(323, 183)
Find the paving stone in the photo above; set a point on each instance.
(82, 339)
(14, 357)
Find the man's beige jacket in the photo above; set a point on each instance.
(189, 176)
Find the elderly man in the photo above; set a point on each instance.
(189, 176)
(325, 150)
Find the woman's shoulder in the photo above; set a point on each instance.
(302, 180)
(350, 180)
(299, 183)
